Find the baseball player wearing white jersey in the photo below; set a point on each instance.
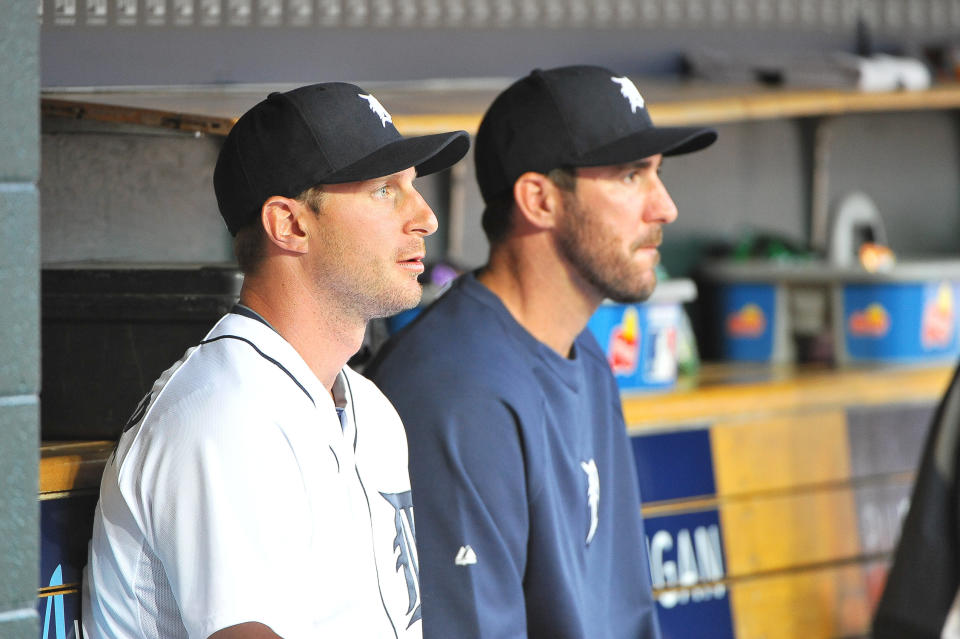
(260, 490)
(241, 420)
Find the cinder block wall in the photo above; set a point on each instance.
(19, 318)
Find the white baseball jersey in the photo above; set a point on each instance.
(237, 495)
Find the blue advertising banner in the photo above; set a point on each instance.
(60, 613)
(674, 465)
(686, 553)
(65, 528)
(686, 548)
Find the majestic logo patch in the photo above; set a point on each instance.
(593, 495)
(465, 556)
(405, 543)
(629, 90)
(377, 108)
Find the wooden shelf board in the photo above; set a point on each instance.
(439, 107)
(69, 466)
(730, 392)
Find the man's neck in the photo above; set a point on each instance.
(322, 336)
(542, 293)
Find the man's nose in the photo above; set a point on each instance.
(422, 220)
(660, 207)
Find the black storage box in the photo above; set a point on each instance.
(108, 332)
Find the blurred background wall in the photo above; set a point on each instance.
(137, 42)
(757, 180)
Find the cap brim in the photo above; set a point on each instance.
(651, 141)
(428, 153)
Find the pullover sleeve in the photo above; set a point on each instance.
(468, 473)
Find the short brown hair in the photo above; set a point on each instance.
(312, 198)
(497, 217)
(249, 245)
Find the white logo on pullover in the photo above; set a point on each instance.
(465, 556)
(593, 495)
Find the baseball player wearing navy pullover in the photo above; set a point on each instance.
(528, 513)
(261, 489)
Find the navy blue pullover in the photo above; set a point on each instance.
(527, 509)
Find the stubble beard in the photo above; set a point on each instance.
(596, 254)
(390, 301)
(374, 291)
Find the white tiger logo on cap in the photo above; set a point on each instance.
(629, 90)
(377, 108)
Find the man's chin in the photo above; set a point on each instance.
(409, 299)
(630, 298)
(636, 294)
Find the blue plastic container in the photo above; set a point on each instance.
(748, 313)
(640, 340)
(901, 322)
(909, 314)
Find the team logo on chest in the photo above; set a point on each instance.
(140, 411)
(593, 496)
(405, 543)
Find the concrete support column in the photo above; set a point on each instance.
(19, 318)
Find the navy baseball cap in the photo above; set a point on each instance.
(318, 134)
(571, 117)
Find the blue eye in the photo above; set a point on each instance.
(383, 191)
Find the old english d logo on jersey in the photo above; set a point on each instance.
(593, 496)
(139, 412)
(405, 542)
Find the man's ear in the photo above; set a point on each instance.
(282, 220)
(537, 199)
